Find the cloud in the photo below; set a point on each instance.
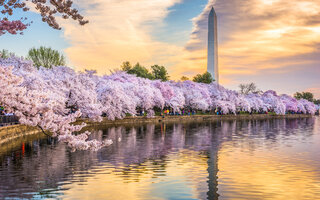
(119, 30)
(258, 35)
(198, 39)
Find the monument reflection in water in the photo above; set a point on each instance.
(263, 159)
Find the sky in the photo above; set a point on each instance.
(273, 43)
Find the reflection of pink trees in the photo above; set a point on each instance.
(54, 98)
(146, 148)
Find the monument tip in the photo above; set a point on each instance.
(212, 11)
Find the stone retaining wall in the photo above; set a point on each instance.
(17, 131)
(9, 133)
(192, 118)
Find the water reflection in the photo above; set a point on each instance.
(256, 159)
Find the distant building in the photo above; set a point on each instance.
(212, 63)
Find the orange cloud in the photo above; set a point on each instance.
(255, 35)
(119, 31)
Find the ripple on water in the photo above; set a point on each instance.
(251, 159)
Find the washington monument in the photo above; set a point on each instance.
(212, 63)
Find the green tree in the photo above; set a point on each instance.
(140, 71)
(46, 57)
(316, 101)
(184, 78)
(160, 72)
(6, 54)
(126, 66)
(203, 78)
(304, 95)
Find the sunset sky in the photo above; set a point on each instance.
(274, 43)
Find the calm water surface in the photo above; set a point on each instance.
(258, 159)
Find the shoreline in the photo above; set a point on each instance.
(189, 118)
(17, 132)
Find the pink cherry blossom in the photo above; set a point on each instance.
(53, 99)
(12, 27)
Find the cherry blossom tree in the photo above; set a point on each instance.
(36, 106)
(290, 103)
(53, 99)
(12, 27)
(309, 107)
(256, 102)
(48, 10)
(196, 95)
(273, 102)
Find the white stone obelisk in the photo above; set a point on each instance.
(212, 63)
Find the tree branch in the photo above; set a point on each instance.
(43, 131)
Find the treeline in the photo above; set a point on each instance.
(41, 57)
(308, 96)
(157, 72)
(49, 58)
(161, 73)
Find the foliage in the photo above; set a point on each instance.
(160, 72)
(184, 78)
(126, 66)
(42, 97)
(249, 88)
(46, 57)
(138, 70)
(48, 11)
(316, 101)
(308, 96)
(141, 71)
(203, 78)
(6, 54)
(304, 95)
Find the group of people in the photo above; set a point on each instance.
(4, 113)
(6, 118)
(217, 111)
(183, 112)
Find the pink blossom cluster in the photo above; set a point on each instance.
(49, 11)
(11, 27)
(44, 98)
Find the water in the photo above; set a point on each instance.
(263, 159)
